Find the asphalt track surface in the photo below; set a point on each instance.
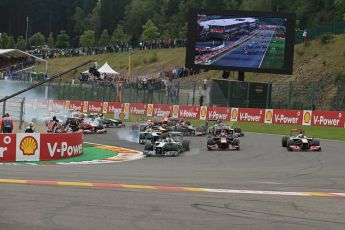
(249, 54)
(260, 165)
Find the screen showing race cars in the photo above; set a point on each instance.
(256, 42)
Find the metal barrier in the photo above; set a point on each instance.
(314, 32)
(15, 107)
(287, 94)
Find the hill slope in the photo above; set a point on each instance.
(321, 63)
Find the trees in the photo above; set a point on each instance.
(93, 20)
(37, 39)
(112, 12)
(78, 20)
(20, 43)
(104, 39)
(11, 42)
(150, 31)
(4, 39)
(88, 39)
(119, 36)
(50, 40)
(258, 5)
(137, 13)
(169, 16)
(62, 40)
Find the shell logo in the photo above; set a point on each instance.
(67, 104)
(269, 115)
(307, 117)
(126, 109)
(149, 109)
(203, 112)
(85, 106)
(28, 146)
(122, 116)
(105, 107)
(175, 111)
(234, 114)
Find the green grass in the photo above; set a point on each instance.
(331, 133)
(88, 145)
(318, 132)
(142, 62)
(90, 152)
(274, 57)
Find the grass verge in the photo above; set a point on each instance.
(90, 153)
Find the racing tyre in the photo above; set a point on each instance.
(141, 138)
(237, 130)
(210, 142)
(185, 145)
(288, 144)
(176, 154)
(284, 141)
(148, 147)
(315, 142)
(236, 141)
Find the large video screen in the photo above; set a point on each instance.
(241, 40)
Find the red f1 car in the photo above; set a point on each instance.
(90, 126)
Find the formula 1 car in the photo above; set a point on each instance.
(300, 142)
(91, 126)
(237, 132)
(148, 137)
(168, 144)
(186, 129)
(113, 123)
(146, 131)
(223, 139)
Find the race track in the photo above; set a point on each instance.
(260, 166)
(249, 54)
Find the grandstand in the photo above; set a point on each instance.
(16, 64)
(229, 28)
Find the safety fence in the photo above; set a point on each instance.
(316, 31)
(321, 95)
(15, 107)
(264, 116)
(40, 146)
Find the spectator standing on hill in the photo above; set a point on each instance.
(305, 36)
(6, 124)
(205, 84)
(201, 100)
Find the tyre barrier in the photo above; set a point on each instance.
(40, 146)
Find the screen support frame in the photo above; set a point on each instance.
(240, 76)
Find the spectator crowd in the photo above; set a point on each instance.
(47, 53)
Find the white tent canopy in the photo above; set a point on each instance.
(105, 69)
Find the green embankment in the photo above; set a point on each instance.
(90, 153)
